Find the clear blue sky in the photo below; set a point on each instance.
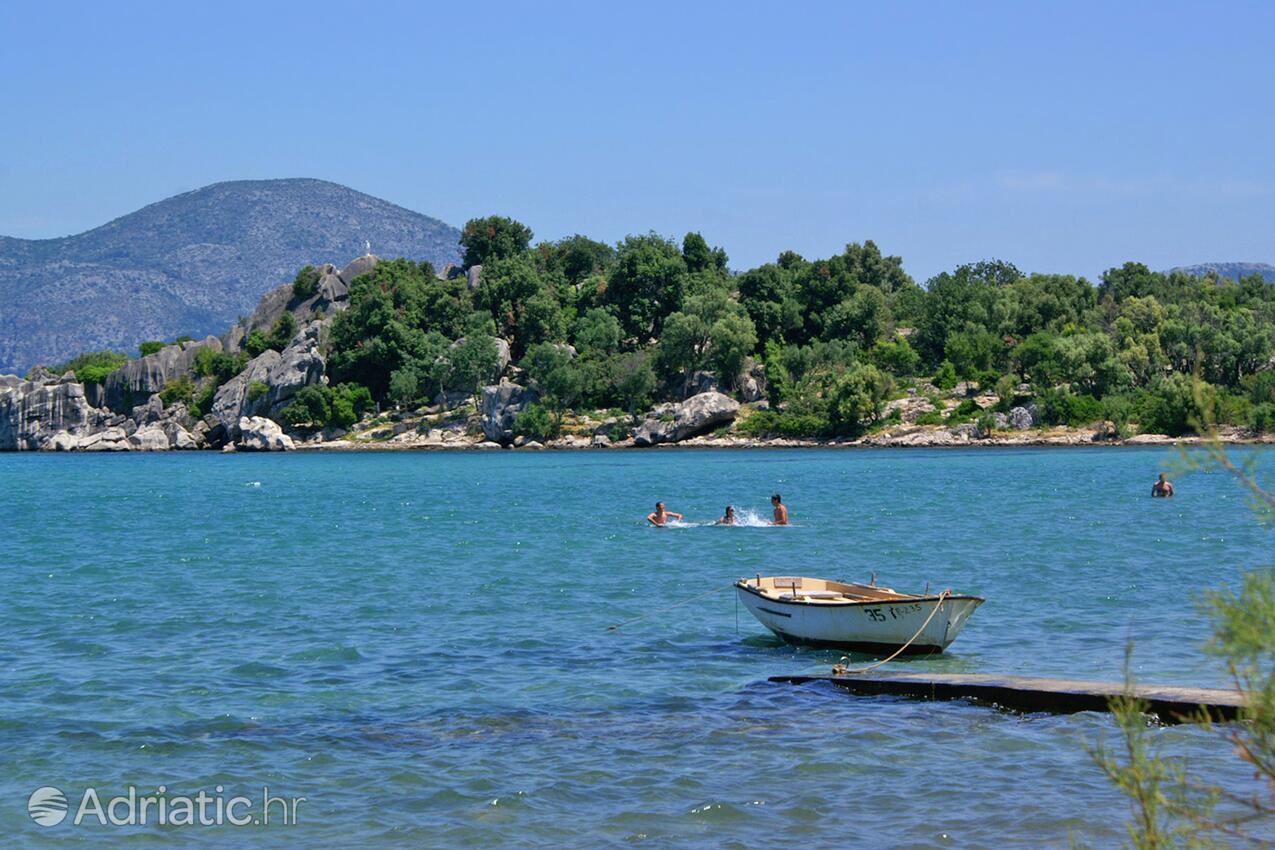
(1060, 136)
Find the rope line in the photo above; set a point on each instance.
(842, 670)
(668, 608)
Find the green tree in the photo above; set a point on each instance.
(392, 311)
(310, 408)
(150, 346)
(557, 376)
(712, 331)
(645, 285)
(424, 374)
(597, 331)
(700, 257)
(493, 238)
(475, 359)
(767, 293)
(856, 397)
(633, 379)
(895, 356)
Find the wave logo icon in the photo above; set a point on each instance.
(47, 806)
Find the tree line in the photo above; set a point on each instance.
(600, 326)
(619, 326)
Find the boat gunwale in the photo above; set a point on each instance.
(845, 603)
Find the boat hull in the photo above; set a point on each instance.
(875, 627)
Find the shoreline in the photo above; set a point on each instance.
(936, 440)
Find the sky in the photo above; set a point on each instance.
(1061, 136)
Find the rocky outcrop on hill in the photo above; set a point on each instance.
(331, 295)
(270, 380)
(670, 423)
(137, 380)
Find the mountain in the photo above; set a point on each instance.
(1234, 271)
(191, 264)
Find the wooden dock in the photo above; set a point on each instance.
(1021, 693)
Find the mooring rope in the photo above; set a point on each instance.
(668, 608)
(840, 669)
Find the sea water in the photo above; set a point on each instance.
(419, 645)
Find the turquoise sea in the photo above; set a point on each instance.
(418, 644)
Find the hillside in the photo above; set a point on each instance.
(191, 264)
(1234, 271)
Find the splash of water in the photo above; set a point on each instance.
(749, 518)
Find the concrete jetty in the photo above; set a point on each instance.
(1173, 704)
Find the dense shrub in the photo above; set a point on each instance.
(321, 406)
(1262, 418)
(945, 378)
(180, 389)
(765, 423)
(257, 390)
(306, 283)
(1059, 406)
(932, 417)
(93, 367)
(150, 346)
(311, 407)
(202, 403)
(280, 334)
(536, 422)
(897, 357)
(1170, 406)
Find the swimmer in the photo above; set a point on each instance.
(659, 517)
(1162, 488)
(729, 517)
(781, 512)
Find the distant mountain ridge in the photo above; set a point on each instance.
(1234, 271)
(191, 264)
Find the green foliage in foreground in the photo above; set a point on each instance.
(1172, 804)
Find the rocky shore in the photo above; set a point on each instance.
(127, 411)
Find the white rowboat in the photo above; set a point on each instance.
(862, 617)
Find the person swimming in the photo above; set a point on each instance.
(660, 517)
(729, 517)
(781, 512)
(1162, 488)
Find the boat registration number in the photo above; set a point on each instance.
(892, 612)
